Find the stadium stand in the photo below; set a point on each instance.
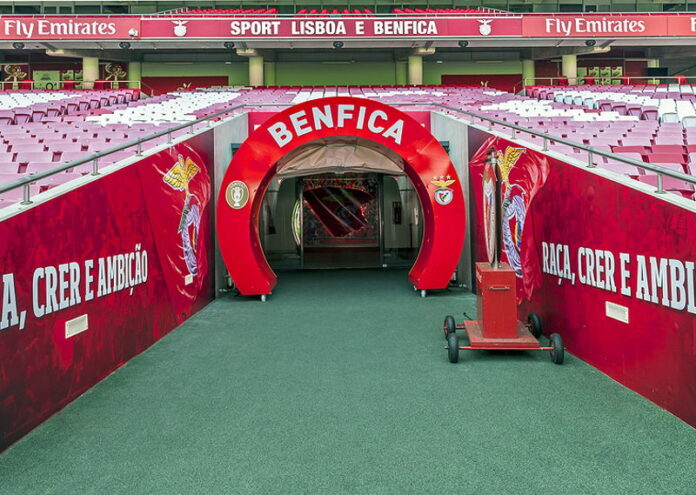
(44, 129)
(335, 12)
(227, 12)
(448, 11)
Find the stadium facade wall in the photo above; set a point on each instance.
(317, 73)
(237, 73)
(453, 134)
(228, 136)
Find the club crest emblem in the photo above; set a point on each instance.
(485, 27)
(443, 194)
(180, 28)
(179, 178)
(237, 194)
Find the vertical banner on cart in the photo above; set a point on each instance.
(93, 277)
(522, 174)
(609, 267)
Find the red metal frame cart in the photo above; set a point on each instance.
(497, 327)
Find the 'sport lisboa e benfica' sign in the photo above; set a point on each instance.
(422, 26)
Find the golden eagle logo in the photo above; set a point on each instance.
(508, 160)
(442, 182)
(178, 178)
(181, 174)
(443, 194)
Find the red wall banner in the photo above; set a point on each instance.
(591, 26)
(610, 25)
(68, 28)
(331, 27)
(114, 266)
(612, 269)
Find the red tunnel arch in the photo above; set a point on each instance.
(254, 165)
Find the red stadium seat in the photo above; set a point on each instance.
(669, 184)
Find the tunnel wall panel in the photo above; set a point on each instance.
(610, 268)
(95, 276)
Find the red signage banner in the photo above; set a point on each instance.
(323, 27)
(522, 175)
(595, 26)
(101, 283)
(369, 27)
(68, 28)
(682, 25)
(520, 26)
(613, 270)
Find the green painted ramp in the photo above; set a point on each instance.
(340, 384)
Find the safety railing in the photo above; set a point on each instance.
(484, 10)
(560, 80)
(515, 132)
(32, 85)
(26, 182)
(591, 152)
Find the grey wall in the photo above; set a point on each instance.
(234, 131)
(455, 131)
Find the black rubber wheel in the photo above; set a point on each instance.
(557, 351)
(453, 348)
(450, 326)
(535, 325)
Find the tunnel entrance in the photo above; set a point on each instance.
(341, 220)
(298, 143)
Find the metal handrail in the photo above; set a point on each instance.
(491, 10)
(660, 171)
(550, 79)
(25, 182)
(110, 84)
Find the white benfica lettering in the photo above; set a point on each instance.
(404, 28)
(336, 117)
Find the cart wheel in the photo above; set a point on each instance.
(263, 297)
(453, 348)
(535, 324)
(423, 292)
(557, 351)
(450, 326)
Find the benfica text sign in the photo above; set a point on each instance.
(369, 27)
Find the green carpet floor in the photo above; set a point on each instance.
(340, 384)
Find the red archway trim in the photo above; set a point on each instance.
(254, 165)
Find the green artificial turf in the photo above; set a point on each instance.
(340, 384)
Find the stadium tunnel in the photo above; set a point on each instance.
(151, 161)
(340, 159)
